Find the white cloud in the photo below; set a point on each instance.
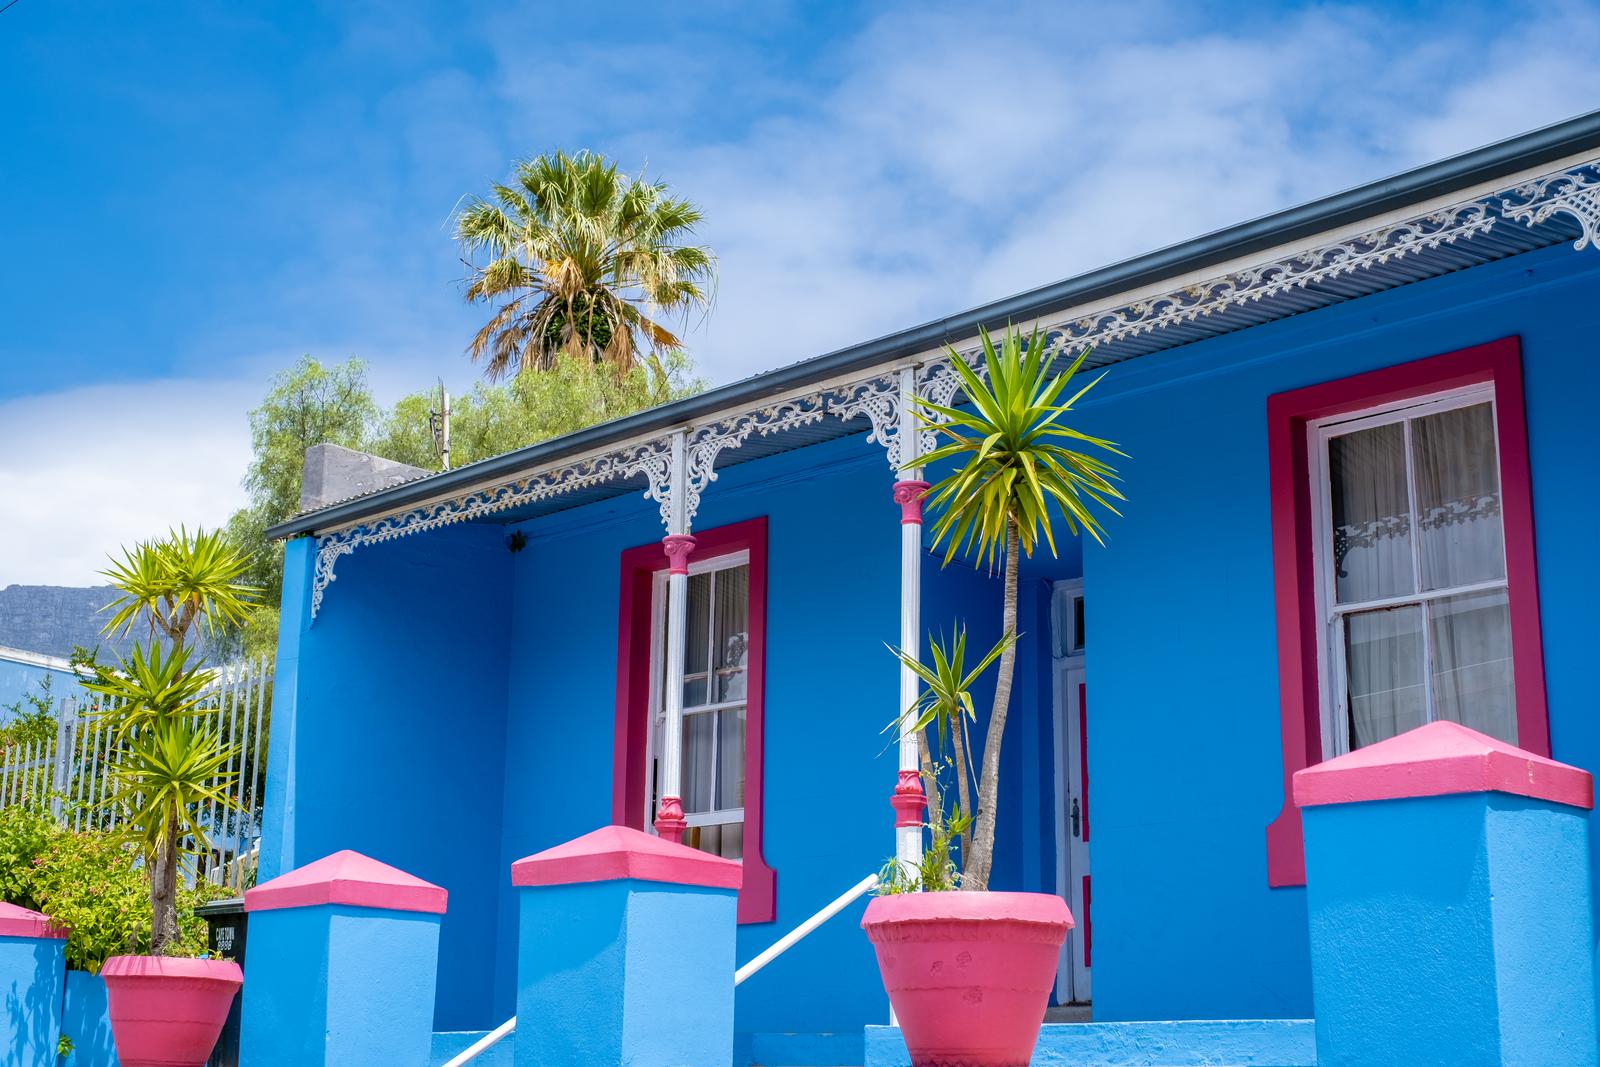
(86, 470)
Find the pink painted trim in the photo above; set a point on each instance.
(1088, 922)
(678, 547)
(670, 822)
(1083, 760)
(758, 897)
(615, 852)
(908, 800)
(1438, 759)
(1294, 578)
(909, 494)
(885, 912)
(17, 921)
(225, 971)
(347, 878)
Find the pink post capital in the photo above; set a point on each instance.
(908, 495)
(678, 547)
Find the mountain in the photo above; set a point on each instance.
(53, 618)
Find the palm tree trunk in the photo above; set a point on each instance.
(164, 893)
(976, 874)
(930, 776)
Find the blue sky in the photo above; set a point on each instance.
(194, 194)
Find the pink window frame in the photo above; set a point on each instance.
(758, 895)
(1289, 416)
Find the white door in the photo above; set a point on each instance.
(1072, 792)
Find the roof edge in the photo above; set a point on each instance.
(1465, 170)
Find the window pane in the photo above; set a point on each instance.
(699, 762)
(1371, 514)
(733, 624)
(697, 624)
(1472, 680)
(726, 840)
(1383, 657)
(730, 758)
(1458, 497)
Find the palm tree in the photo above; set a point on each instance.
(176, 582)
(1015, 461)
(579, 258)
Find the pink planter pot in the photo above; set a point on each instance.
(165, 1011)
(968, 974)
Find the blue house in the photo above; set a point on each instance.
(24, 673)
(1362, 497)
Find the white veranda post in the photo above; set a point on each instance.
(678, 545)
(908, 797)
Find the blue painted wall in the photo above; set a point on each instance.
(390, 716)
(833, 603)
(453, 705)
(1185, 759)
(18, 679)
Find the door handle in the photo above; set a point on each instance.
(1075, 817)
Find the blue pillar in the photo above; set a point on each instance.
(294, 620)
(33, 974)
(1448, 893)
(344, 954)
(626, 954)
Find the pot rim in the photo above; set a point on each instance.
(171, 967)
(962, 906)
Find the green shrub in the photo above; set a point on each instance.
(91, 883)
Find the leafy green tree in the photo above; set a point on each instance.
(1016, 463)
(530, 408)
(31, 720)
(576, 256)
(309, 404)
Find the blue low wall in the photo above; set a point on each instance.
(1237, 1042)
(86, 1022)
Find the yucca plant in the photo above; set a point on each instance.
(1017, 466)
(179, 581)
(579, 258)
(945, 704)
(167, 760)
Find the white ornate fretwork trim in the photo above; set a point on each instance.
(1574, 191)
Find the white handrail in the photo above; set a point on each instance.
(842, 901)
(484, 1043)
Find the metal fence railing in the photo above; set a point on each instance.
(70, 774)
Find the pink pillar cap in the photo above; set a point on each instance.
(17, 921)
(1439, 759)
(347, 878)
(612, 853)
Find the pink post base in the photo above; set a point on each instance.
(670, 822)
(908, 800)
(968, 974)
(165, 1011)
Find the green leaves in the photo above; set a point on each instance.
(947, 684)
(165, 772)
(149, 686)
(175, 582)
(575, 252)
(1016, 458)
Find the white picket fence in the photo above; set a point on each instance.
(70, 773)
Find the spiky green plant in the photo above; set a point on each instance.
(178, 581)
(579, 257)
(1017, 465)
(945, 703)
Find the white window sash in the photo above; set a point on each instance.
(1332, 668)
(657, 713)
